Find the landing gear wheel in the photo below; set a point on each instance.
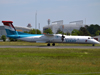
(93, 45)
(53, 44)
(48, 44)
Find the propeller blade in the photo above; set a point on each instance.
(62, 38)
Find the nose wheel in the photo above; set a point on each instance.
(93, 45)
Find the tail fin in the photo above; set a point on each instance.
(10, 29)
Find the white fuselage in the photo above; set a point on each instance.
(56, 38)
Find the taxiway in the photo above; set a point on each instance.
(80, 47)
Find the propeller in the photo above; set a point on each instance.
(62, 38)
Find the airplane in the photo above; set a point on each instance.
(46, 38)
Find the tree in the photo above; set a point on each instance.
(33, 31)
(86, 26)
(3, 37)
(93, 28)
(26, 32)
(97, 33)
(12, 39)
(83, 31)
(75, 32)
(48, 31)
(59, 32)
(38, 31)
(67, 33)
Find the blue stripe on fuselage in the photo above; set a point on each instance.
(9, 32)
(16, 35)
(23, 36)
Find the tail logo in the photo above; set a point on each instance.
(10, 29)
(8, 25)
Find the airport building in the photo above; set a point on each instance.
(20, 29)
(97, 38)
(56, 25)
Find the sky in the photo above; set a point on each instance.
(22, 12)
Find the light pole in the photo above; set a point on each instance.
(36, 22)
(39, 26)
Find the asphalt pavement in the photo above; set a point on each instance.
(80, 47)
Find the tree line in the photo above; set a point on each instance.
(92, 30)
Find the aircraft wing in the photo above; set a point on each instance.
(47, 37)
(41, 41)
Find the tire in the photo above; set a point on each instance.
(48, 44)
(93, 45)
(53, 44)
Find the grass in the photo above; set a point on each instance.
(43, 44)
(28, 61)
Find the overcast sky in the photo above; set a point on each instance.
(22, 12)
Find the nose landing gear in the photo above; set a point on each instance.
(93, 44)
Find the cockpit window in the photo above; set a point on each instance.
(89, 37)
(92, 38)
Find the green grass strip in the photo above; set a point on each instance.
(30, 61)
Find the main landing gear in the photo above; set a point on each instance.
(52, 44)
(48, 44)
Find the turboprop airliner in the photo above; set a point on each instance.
(46, 38)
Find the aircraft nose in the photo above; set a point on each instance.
(96, 42)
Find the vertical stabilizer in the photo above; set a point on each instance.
(10, 29)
